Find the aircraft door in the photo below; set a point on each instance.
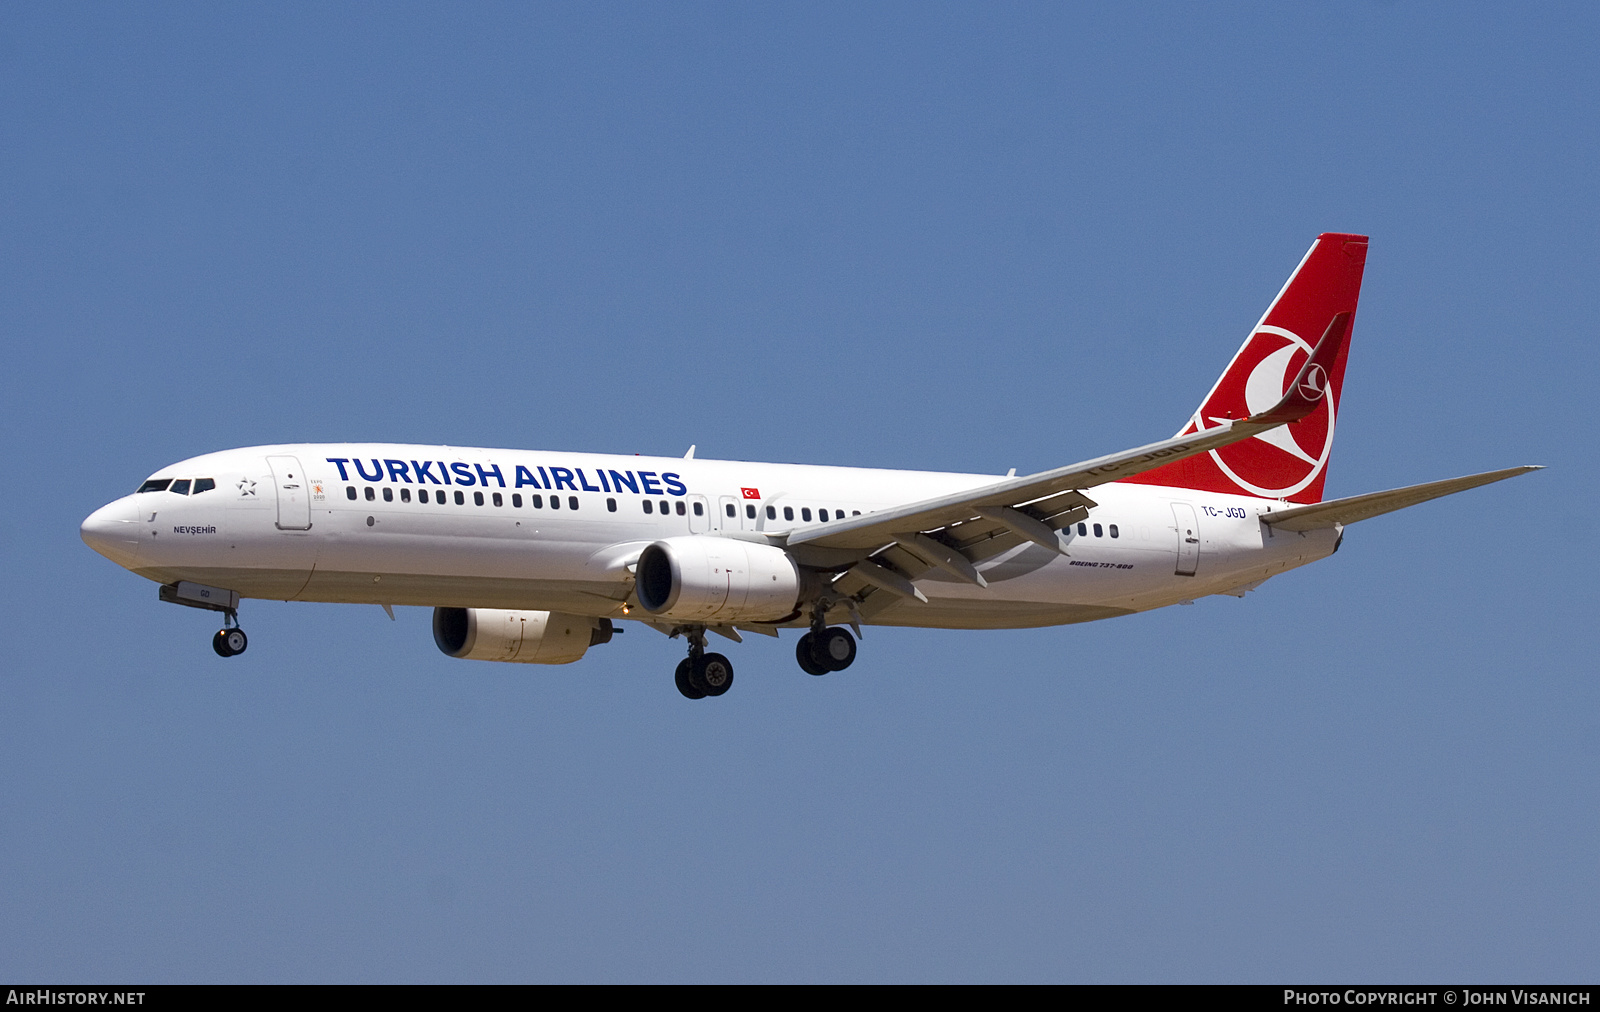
(728, 514)
(294, 493)
(1188, 528)
(699, 514)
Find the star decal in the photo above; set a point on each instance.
(247, 487)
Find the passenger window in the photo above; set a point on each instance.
(371, 495)
(681, 510)
(805, 513)
(516, 499)
(822, 515)
(572, 502)
(788, 512)
(203, 485)
(699, 509)
(772, 512)
(537, 501)
(388, 494)
(477, 498)
(749, 512)
(731, 511)
(155, 485)
(498, 501)
(349, 491)
(180, 487)
(1113, 530)
(555, 502)
(649, 507)
(611, 505)
(855, 513)
(461, 499)
(1083, 530)
(405, 495)
(1098, 532)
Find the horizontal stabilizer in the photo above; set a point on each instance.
(1363, 507)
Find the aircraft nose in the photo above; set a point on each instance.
(113, 531)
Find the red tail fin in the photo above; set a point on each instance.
(1291, 461)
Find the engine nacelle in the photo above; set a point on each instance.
(523, 637)
(706, 579)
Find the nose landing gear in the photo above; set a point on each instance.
(228, 642)
(701, 674)
(230, 639)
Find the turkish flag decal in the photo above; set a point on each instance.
(751, 493)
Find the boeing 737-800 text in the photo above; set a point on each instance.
(533, 556)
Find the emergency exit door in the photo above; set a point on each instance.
(730, 517)
(699, 514)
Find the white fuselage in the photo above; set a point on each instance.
(348, 523)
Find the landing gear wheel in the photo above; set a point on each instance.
(228, 642)
(714, 673)
(835, 648)
(806, 655)
(684, 677)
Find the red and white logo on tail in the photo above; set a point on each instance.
(1291, 461)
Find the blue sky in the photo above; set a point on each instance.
(930, 236)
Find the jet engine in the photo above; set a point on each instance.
(525, 637)
(718, 580)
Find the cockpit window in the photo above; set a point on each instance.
(155, 485)
(203, 485)
(181, 486)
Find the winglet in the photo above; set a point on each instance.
(1311, 385)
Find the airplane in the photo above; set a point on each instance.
(534, 557)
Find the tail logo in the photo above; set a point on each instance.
(1315, 384)
(1257, 380)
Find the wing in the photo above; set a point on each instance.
(886, 550)
(1373, 504)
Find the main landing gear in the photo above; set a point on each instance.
(825, 649)
(230, 639)
(701, 674)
